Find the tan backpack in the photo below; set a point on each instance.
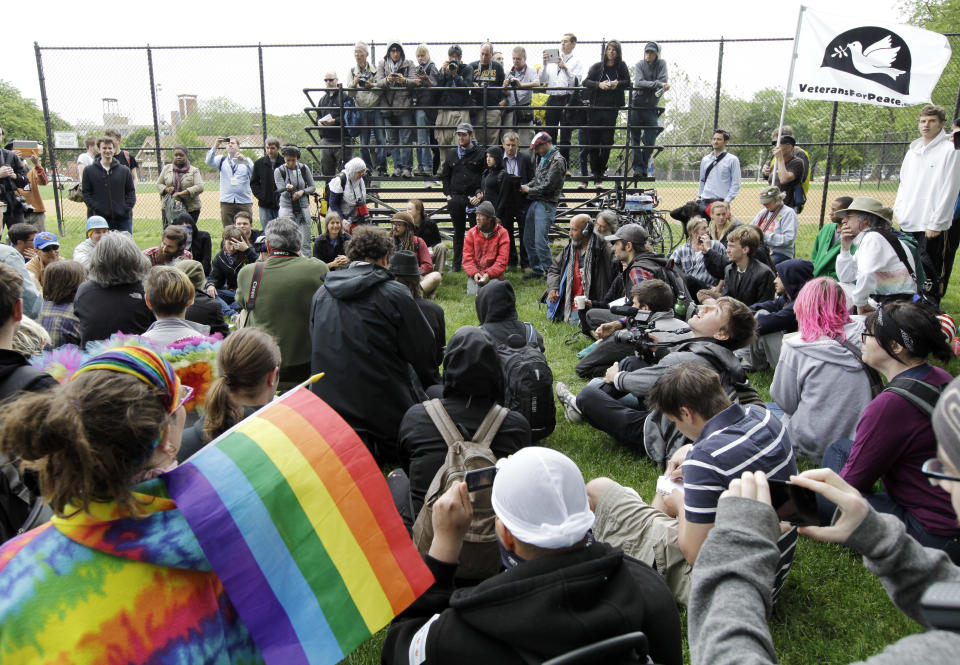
(479, 557)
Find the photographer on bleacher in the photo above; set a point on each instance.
(456, 103)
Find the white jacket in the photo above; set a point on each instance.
(929, 182)
(875, 268)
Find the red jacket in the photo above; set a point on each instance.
(486, 255)
(423, 256)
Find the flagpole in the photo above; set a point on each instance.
(793, 64)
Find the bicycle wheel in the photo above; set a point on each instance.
(661, 235)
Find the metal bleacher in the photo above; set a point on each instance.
(388, 194)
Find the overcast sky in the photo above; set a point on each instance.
(77, 80)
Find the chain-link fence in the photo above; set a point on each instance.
(191, 95)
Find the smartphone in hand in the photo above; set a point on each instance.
(794, 504)
(480, 479)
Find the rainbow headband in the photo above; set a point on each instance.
(141, 363)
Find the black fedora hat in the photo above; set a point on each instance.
(404, 263)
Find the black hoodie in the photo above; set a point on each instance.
(497, 313)
(492, 184)
(366, 331)
(545, 607)
(600, 71)
(472, 381)
(793, 273)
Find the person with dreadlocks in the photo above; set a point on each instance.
(895, 436)
(405, 238)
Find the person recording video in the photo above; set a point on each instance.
(640, 331)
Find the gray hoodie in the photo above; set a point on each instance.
(822, 388)
(398, 95)
(730, 598)
(647, 79)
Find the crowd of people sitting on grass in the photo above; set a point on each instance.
(543, 561)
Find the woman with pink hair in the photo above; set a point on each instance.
(820, 382)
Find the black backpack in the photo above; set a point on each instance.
(21, 507)
(528, 384)
(918, 392)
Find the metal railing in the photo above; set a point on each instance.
(700, 99)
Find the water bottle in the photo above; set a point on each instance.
(680, 308)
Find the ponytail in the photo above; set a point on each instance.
(222, 411)
(243, 361)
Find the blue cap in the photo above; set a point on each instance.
(45, 239)
(96, 222)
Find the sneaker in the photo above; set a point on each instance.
(534, 274)
(569, 402)
(582, 184)
(407, 173)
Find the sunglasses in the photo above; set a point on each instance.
(184, 395)
(328, 80)
(50, 248)
(934, 471)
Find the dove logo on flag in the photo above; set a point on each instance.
(839, 59)
(877, 54)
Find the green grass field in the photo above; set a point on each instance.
(831, 611)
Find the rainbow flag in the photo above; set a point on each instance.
(297, 522)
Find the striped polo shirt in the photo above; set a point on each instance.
(738, 439)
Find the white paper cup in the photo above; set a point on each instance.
(580, 301)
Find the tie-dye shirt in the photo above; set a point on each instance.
(103, 588)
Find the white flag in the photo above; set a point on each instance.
(846, 59)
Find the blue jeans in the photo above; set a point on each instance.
(540, 216)
(639, 118)
(267, 215)
(424, 153)
(228, 305)
(835, 458)
(583, 137)
(402, 157)
(122, 225)
(775, 409)
(627, 399)
(374, 136)
(778, 258)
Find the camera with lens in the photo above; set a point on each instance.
(638, 327)
(514, 83)
(421, 71)
(453, 65)
(637, 333)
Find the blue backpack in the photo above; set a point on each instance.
(351, 117)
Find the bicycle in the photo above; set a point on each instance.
(640, 208)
